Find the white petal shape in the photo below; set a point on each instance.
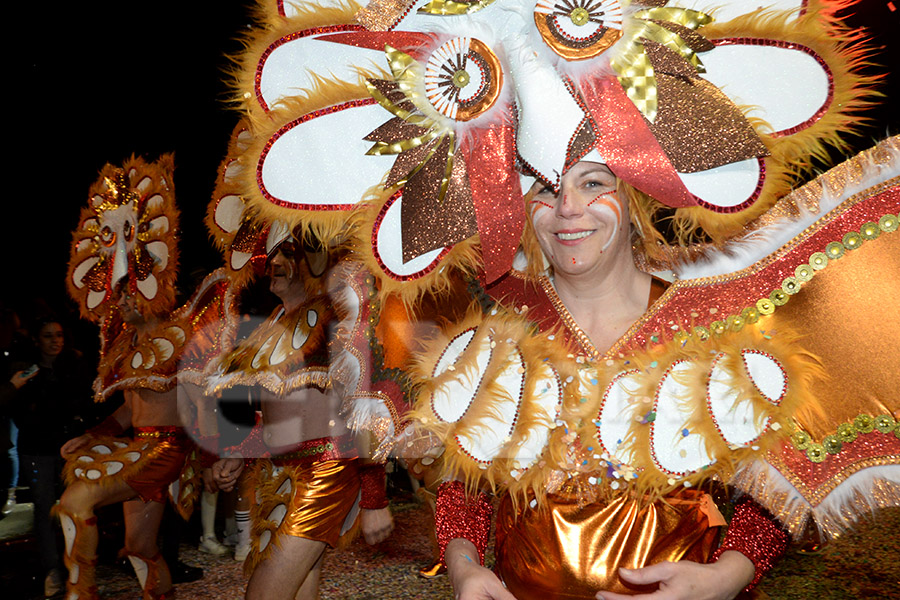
(101, 449)
(276, 515)
(160, 253)
(232, 171)
(120, 444)
(285, 67)
(113, 467)
(451, 401)
(155, 202)
(389, 246)
(82, 269)
(301, 334)
(148, 287)
(150, 362)
(68, 528)
(93, 474)
(159, 224)
(228, 213)
(285, 487)
(736, 420)
(547, 402)
(133, 456)
(263, 352)
(144, 184)
(615, 416)
(95, 298)
(264, 538)
(79, 472)
(726, 186)
(667, 438)
(176, 333)
(312, 317)
(786, 87)
(239, 260)
(484, 440)
(281, 350)
(767, 374)
(164, 348)
(301, 157)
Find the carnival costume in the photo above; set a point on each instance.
(126, 243)
(313, 490)
(708, 120)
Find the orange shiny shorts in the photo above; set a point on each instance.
(568, 551)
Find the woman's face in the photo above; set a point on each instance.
(586, 219)
(50, 340)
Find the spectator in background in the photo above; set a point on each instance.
(49, 408)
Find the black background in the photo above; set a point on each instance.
(93, 82)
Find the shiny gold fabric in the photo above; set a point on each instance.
(324, 493)
(849, 313)
(566, 551)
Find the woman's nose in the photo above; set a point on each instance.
(568, 204)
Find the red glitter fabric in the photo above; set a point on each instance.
(371, 482)
(757, 536)
(253, 445)
(458, 516)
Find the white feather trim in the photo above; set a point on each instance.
(859, 494)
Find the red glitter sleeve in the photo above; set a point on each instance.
(457, 515)
(372, 487)
(757, 535)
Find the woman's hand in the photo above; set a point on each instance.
(683, 580)
(20, 378)
(376, 523)
(470, 580)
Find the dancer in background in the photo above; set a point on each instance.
(122, 273)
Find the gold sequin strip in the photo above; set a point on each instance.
(803, 274)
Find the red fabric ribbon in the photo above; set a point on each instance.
(629, 147)
(496, 194)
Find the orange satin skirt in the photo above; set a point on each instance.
(565, 551)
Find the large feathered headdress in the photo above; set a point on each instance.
(412, 122)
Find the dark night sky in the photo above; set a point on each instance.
(96, 81)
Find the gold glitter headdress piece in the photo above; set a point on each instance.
(127, 236)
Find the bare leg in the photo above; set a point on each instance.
(285, 572)
(76, 513)
(142, 521)
(310, 588)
